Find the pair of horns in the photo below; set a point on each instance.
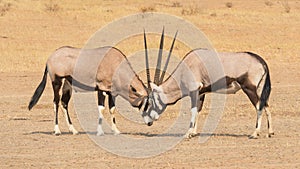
(158, 79)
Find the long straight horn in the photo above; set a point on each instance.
(158, 64)
(147, 61)
(168, 59)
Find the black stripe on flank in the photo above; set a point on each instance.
(83, 86)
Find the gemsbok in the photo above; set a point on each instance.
(243, 70)
(109, 74)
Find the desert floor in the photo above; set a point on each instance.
(31, 30)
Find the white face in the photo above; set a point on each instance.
(154, 115)
(153, 109)
(148, 120)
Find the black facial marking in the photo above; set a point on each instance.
(146, 106)
(133, 89)
(160, 102)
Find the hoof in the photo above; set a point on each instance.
(189, 135)
(253, 137)
(269, 135)
(116, 132)
(75, 132)
(57, 133)
(56, 130)
(100, 133)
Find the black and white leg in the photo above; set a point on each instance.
(258, 125)
(112, 110)
(200, 105)
(194, 111)
(251, 92)
(66, 96)
(101, 99)
(270, 126)
(56, 84)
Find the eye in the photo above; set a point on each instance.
(132, 88)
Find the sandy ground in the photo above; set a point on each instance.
(32, 30)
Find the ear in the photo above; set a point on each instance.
(155, 87)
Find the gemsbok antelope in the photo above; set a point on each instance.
(61, 65)
(244, 70)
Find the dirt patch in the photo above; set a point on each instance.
(31, 31)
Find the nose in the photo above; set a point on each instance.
(150, 123)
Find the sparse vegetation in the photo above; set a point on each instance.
(213, 14)
(286, 6)
(29, 34)
(52, 7)
(5, 8)
(268, 3)
(148, 9)
(229, 4)
(176, 4)
(191, 11)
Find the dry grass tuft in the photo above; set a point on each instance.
(229, 5)
(213, 14)
(191, 11)
(5, 8)
(176, 4)
(52, 7)
(286, 6)
(148, 9)
(268, 3)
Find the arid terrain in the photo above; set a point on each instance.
(31, 30)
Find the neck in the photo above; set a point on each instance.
(176, 86)
(171, 90)
(140, 92)
(139, 86)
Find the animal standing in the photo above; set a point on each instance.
(61, 66)
(244, 70)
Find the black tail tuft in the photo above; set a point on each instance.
(39, 90)
(265, 92)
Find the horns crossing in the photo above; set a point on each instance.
(157, 78)
(158, 63)
(167, 61)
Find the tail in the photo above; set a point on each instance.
(265, 91)
(39, 90)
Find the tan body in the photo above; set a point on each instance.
(200, 73)
(104, 69)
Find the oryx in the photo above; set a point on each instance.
(243, 70)
(106, 62)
